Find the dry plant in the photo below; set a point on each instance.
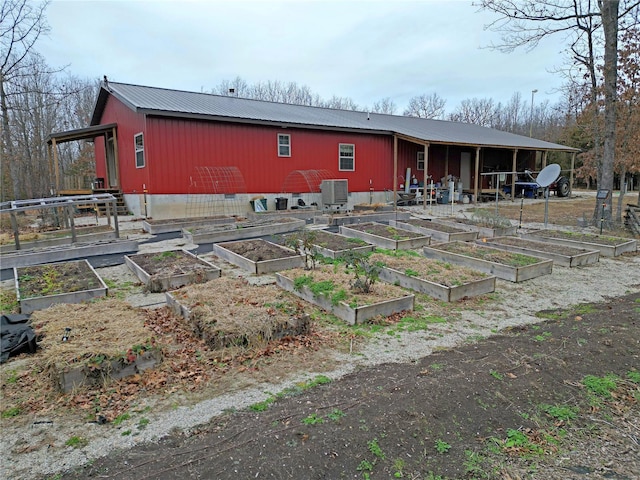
(229, 312)
(107, 328)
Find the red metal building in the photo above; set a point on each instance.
(152, 144)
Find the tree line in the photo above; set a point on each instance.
(599, 111)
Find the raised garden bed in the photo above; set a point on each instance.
(40, 286)
(560, 254)
(63, 237)
(440, 280)
(484, 231)
(606, 245)
(258, 256)
(331, 290)
(361, 217)
(386, 236)
(242, 230)
(37, 256)
(511, 266)
(177, 224)
(235, 314)
(437, 231)
(76, 350)
(171, 269)
(333, 246)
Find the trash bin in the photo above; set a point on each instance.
(281, 203)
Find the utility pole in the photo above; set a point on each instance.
(533, 92)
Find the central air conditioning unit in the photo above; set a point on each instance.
(334, 193)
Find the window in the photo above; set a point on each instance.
(347, 157)
(284, 145)
(139, 144)
(420, 165)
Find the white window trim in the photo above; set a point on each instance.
(137, 150)
(283, 145)
(418, 161)
(340, 157)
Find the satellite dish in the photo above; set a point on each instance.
(548, 175)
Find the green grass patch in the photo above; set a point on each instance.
(601, 386)
(560, 412)
(76, 442)
(11, 412)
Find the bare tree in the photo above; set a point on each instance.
(21, 25)
(525, 23)
(479, 111)
(426, 106)
(386, 105)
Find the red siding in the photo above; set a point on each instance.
(175, 147)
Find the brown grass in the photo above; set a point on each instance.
(107, 328)
(230, 312)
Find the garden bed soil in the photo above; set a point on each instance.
(484, 230)
(258, 256)
(339, 298)
(514, 406)
(440, 280)
(40, 286)
(437, 231)
(560, 254)
(515, 267)
(360, 217)
(232, 313)
(386, 236)
(162, 271)
(333, 245)
(606, 245)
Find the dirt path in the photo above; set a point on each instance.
(524, 404)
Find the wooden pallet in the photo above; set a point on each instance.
(632, 218)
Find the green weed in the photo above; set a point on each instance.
(142, 423)
(11, 412)
(313, 419)
(602, 386)
(336, 415)
(441, 446)
(76, 442)
(560, 412)
(496, 375)
(634, 376)
(375, 448)
(121, 418)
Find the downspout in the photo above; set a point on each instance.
(395, 172)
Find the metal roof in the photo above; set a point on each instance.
(160, 101)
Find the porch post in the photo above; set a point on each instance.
(395, 172)
(573, 164)
(513, 174)
(56, 167)
(115, 158)
(544, 159)
(475, 179)
(424, 179)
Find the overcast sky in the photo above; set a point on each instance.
(365, 50)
